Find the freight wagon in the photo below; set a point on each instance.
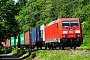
(40, 31)
(12, 41)
(27, 39)
(6, 43)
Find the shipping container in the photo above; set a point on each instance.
(7, 43)
(51, 33)
(3, 43)
(42, 28)
(22, 40)
(38, 32)
(27, 38)
(12, 41)
(33, 36)
(16, 40)
(41, 33)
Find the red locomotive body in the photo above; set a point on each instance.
(51, 33)
(67, 32)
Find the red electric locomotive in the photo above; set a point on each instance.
(64, 32)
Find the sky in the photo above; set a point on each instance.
(15, 0)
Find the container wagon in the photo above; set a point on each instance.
(2, 44)
(12, 42)
(27, 38)
(33, 38)
(40, 32)
(7, 43)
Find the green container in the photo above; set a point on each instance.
(16, 40)
(12, 41)
(22, 38)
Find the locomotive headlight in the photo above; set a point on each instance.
(78, 35)
(65, 32)
(77, 31)
(64, 36)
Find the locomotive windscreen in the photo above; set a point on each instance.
(70, 23)
(65, 23)
(74, 23)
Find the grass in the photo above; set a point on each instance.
(5, 50)
(63, 54)
(50, 54)
(21, 53)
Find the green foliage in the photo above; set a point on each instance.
(18, 50)
(21, 3)
(38, 12)
(33, 54)
(8, 50)
(21, 51)
(86, 33)
(5, 50)
(1, 51)
(8, 24)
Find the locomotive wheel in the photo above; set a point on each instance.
(53, 46)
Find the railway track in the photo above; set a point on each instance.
(83, 49)
(66, 49)
(8, 57)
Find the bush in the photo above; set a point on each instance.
(8, 51)
(5, 50)
(21, 51)
(1, 51)
(33, 54)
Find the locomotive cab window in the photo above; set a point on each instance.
(70, 23)
(65, 23)
(74, 23)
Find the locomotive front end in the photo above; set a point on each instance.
(71, 32)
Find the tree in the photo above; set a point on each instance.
(30, 14)
(21, 3)
(9, 25)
